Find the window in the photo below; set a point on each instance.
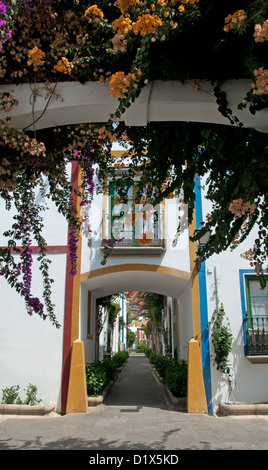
(134, 225)
(256, 317)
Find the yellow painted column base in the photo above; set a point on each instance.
(196, 395)
(77, 391)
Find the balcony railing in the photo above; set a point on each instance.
(256, 328)
(138, 239)
(130, 242)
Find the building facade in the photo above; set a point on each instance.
(33, 351)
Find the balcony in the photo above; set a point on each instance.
(256, 329)
(142, 237)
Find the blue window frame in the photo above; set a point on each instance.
(255, 314)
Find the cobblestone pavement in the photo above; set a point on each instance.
(135, 416)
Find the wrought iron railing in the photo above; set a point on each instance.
(138, 243)
(256, 328)
(153, 238)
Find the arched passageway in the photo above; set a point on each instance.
(138, 384)
(138, 277)
(152, 278)
(170, 283)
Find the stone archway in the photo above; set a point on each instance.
(154, 278)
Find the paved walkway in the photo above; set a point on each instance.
(136, 415)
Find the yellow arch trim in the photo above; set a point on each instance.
(135, 267)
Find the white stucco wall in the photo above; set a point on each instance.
(222, 271)
(31, 348)
(185, 322)
(88, 339)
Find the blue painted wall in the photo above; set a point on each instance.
(203, 306)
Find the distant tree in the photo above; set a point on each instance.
(131, 338)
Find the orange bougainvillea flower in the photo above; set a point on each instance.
(146, 24)
(239, 207)
(122, 24)
(120, 83)
(36, 58)
(261, 85)
(119, 42)
(63, 66)
(261, 32)
(124, 5)
(235, 21)
(94, 10)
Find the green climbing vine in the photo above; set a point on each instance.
(111, 304)
(222, 340)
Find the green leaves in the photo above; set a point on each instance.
(173, 372)
(222, 340)
(229, 160)
(11, 395)
(100, 373)
(111, 304)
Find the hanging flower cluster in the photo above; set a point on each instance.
(24, 149)
(120, 83)
(87, 187)
(261, 32)
(122, 24)
(146, 24)
(63, 65)
(73, 239)
(94, 11)
(7, 10)
(250, 255)
(240, 207)
(27, 226)
(261, 85)
(36, 57)
(236, 21)
(124, 5)
(27, 260)
(81, 143)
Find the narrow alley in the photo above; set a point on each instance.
(137, 386)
